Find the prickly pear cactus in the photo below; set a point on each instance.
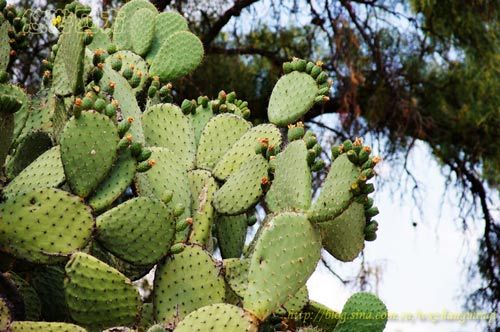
(106, 177)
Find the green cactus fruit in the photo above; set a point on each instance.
(236, 274)
(292, 97)
(295, 303)
(218, 135)
(45, 172)
(203, 187)
(32, 306)
(28, 326)
(231, 232)
(220, 317)
(178, 294)
(142, 30)
(166, 24)
(179, 55)
(68, 64)
(291, 187)
(200, 118)
(336, 194)
(5, 316)
(243, 188)
(244, 149)
(166, 126)
(344, 236)
(122, 25)
(139, 231)
(119, 178)
(284, 257)
(320, 316)
(166, 175)
(99, 296)
(27, 150)
(63, 225)
(88, 151)
(48, 281)
(365, 312)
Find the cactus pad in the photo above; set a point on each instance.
(48, 281)
(120, 177)
(295, 303)
(166, 24)
(243, 188)
(244, 149)
(68, 64)
(28, 326)
(28, 149)
(220, 317)
(166, 175)
(179, 55)
(142, 30)
(166, 126)
(176, 294)
(236, 274)
(291, 188)
(203, 187)
(285, 255)
(122, 25)
(199, 119)
(97, 294)
(344, 236)
(218, 135)
(22, 113)
(43, 225)
(45, 172)
(314, 309)
(367, 312)
(5, 317)
(231, 233)
(6, 134)
(88, 150)
(32, 307)
(4, 46)
(139, 231)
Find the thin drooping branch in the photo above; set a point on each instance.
(218, 25)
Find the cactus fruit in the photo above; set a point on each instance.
(103, 178)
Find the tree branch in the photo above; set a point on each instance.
(248, 50)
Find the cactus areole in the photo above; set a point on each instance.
(106, 176)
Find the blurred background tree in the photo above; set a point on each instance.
(403, 71)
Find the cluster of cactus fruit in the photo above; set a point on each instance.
(105, 179)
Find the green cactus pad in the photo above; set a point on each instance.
(129, 60)
(45, 172)
(122, 26)
(176, 294)
(285, 255)
(5, 316)
(139, 231)
(236, 274)
(344, 236)
(295, 303)
(244, 149)
(291, 188)
(200, 119)
(88, 150)
(100, 41)
(42, 225)
(166, 175)
(121, 176)
(220, 317)
(98, 295)
(231, 233)
(292, 97)
(313, 310)
(4, 46)
(48, 281)
(218, 135)
(335, 196)
(367, 313)
(147, 317)
(125, 96)
(22, 114)
(20, 326)
(6, 134)
(28, 149)
(243, 188)
(166, 24)
(32, 306)
(166, 126)
(68, 64)
(179, 55)
(203, 187)
(142, 30)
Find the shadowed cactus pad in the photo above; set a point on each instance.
(185, 282)
(45, 327)
(88, 150)
(367, 313)
(43, 225)
(98, 295)
(142, 28)
(139, 231)
(231, 234)
(219, 317)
